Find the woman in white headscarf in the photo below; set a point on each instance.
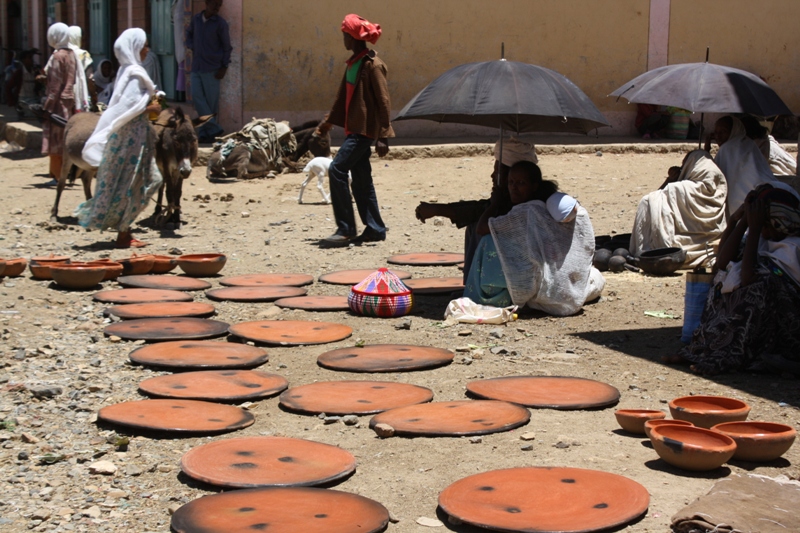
(123, 147)
(82, 100)
(59, 95)
(104, 81)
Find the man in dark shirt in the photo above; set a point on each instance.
(362, 108)
(210, 42)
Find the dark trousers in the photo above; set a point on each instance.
(353, 157)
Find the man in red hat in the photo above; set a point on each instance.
(362, 108)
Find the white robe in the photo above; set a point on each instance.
(780, 162)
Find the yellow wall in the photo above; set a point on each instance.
(293, 52)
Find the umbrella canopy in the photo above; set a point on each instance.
(704, 88)
(506, 94)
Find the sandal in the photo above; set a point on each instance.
(131, 243)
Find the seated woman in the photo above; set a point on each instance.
(539, 254)
(687, 211)
(779, 160)
(754, 309)
(104, 82)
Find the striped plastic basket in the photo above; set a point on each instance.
(381, 294)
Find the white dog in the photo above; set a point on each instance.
(317, 167)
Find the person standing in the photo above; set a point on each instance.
(209, 40)
(82, 96)
(60, 74)
(362, 107)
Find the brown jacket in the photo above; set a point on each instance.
(370, 107)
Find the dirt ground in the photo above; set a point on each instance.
(53, 339)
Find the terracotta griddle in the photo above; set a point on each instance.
(427, 259)
(254, 294)
(281, 510)
(435, 285)
(251, 462)
(291, 332)
(314, 303)
(353, 397)
(453, 419)
(385, 358)
(162, 310)
(167, 329)
(215, 385)
(546, 392)
(140, 296)
(181, 416)
(352, 277)
(563, 500)
(268, 280)
(175, 283)
(199, 355)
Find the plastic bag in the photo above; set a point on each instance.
(466, 311)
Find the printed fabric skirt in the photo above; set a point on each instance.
(740, 328)
(126, 179)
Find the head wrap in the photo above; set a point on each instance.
(783, 209)
(58, 35)
(75, 35)
(515, 151)
(560, 206)
(99, 79)
(128, 47)
(361, 29)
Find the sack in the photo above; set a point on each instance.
(694, 301)
(466, 311)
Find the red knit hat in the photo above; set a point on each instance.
(361, 29)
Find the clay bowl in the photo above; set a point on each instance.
(15, 267)
(758, 441)
(662, 261)
(708, 411)
(136, 264)
(201, 265)
(40, 266)
(650, 424)
(163, 264)
(79, 276)
(632, 420)
(113, 269)
(692, 448)
(2, 266)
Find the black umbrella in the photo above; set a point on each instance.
(506, 95)
(705, 88)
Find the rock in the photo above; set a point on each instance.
(526, 447)
(350, 420)
(92, 512)
(41, 514)
(30, 439)
(175, 251)
(561, 445)
(464, 333)
(269, 313)
(245, 214)
(133, 470)
(45, 391)
(392, 518)
(384, 430)
(23, 456)
(117, 493)
(405, 324)
(463, 348)
(530, 435)
(106, 468)
(114, 339)
(498, 350)
(173, 508)
(331, 419)
(475, 440)
(164, 469)
(466, 360)
(429, 522)
(497, 333)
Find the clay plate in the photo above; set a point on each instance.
(541, 499)
(281, 510)
(385, 358)
(254, 294)
(268, 280)
(205, 355)
(291, 332)
(140, 296)
(250, 462)
(427, 259)
(353, 277)
(175, 283)
(435, 285)
(215, 385)
(453, 419)
(167, 329)
(162, 310)
(314, 303)
(546, 392)
(353, 397)
(183, 416)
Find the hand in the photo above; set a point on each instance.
(323, 129)
(221, 73)
(153, 108)
(673, 174)
(424, 211)
(756, 212)
(382, 147)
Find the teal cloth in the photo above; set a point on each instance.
(486, 283)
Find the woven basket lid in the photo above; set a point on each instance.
(382, 282)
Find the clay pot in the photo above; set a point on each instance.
(136, 264)
(79, 276)
(708, 411)
(113, 269)
(758, 441)
(632, 420)
(15, 267)
(40, 266)
(692, 448)
(163, 264)
(650, 424)
(662, 261)
(201, 265)
(2, 266)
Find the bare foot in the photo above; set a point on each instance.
(130, 242)
(675, 359)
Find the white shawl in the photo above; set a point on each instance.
(84, 60)
(743, 165)
(133, 90)
(780, 162)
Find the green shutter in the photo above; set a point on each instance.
(99, 29)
